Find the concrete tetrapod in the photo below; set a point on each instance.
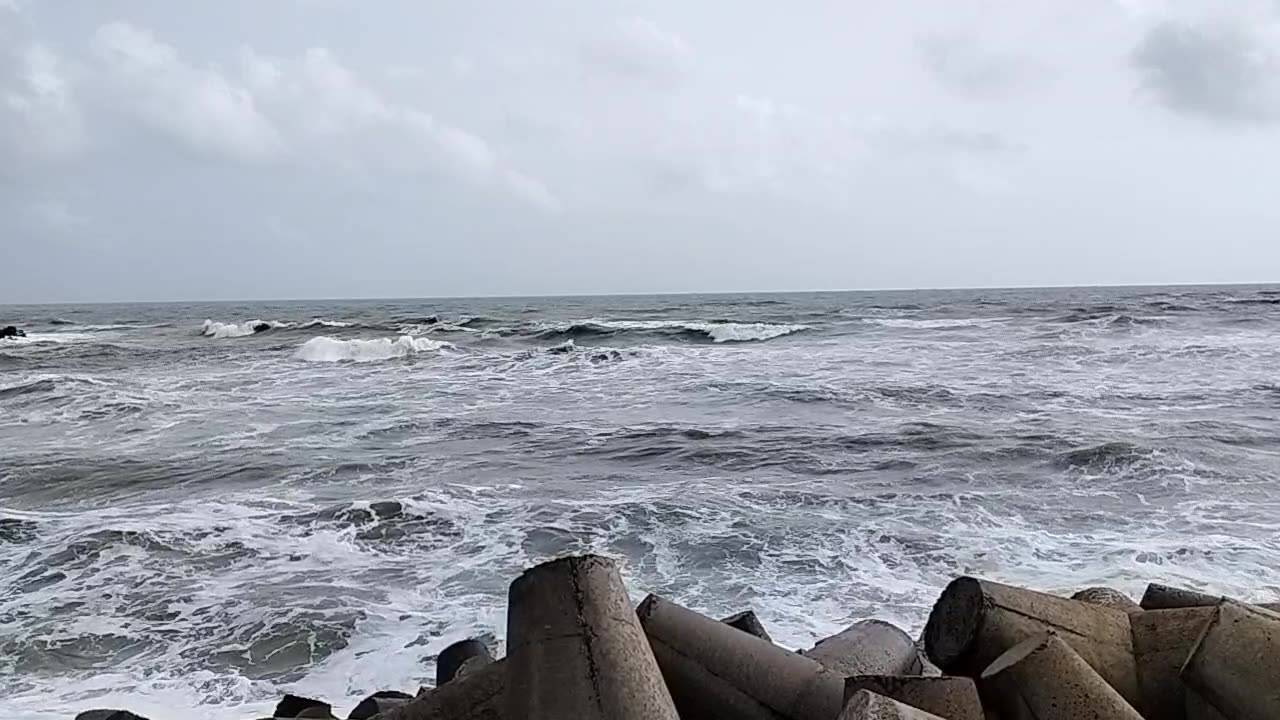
(716, 672)
(463, 652)
(870, 647)
(1235, 664)
(747, 622)
(866, 705)
(954, 698)
(1043, 678)
(1162, 641)
(478, 696)
(575, 648)
(1107, 597)
(1167, 597)
(975, 621)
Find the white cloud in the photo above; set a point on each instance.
(198, 106)
(639, 48)
(966, 65)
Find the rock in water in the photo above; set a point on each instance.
(11, 331)
(108, 714)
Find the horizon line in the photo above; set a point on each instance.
(682, 293)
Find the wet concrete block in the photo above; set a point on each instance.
(452, 658)
(576, 648)
(478, 696)
(747, 622)
(1043, 678)
(870, 647)
(954, 698)
(1235, 663)
(976, 621)
(717, 672)
(1107, 597)
(1162, 641)
(293, 706)
(1168, 597)
(378, 703)
(866, 705)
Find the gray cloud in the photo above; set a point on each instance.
(1213, 70)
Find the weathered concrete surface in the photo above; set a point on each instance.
(866, 705)
(1198, 709)
(1167, 597)
(1107, 597)
(716, 672)
(975, 621)
(452, 659)
(575, 648)
(747, 622)
(1162, 641)
(870, 647)
(954, 698)
(478, 696)
(1043, 678)
(1235, 664)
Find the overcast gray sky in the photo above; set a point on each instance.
(155, 150)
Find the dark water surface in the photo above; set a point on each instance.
(195, 517)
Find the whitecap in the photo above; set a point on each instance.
(327, 349)
(215, 329)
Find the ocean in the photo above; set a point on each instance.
(204, 505)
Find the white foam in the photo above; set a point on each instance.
(327, 349)
(321, 322)
(215, 329)
(936, 324)
(747, 332)
(52, 337)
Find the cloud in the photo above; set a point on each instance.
(39, 116)
(966, 66)
(1212, 69)
(309, 111)
(56, 216)
(198, 106)
(638, 48)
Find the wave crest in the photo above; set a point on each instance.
(327, 349)
(215, 329)
(715, 331)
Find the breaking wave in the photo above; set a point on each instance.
(935, 324)
(715, 331)
(327, 349)
(215, 329)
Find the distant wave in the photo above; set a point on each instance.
(215, 329)
(52, 337)
(717, 331)
(61, 321)
(327, 349)
(933, 324)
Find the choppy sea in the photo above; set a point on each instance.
(205, 505)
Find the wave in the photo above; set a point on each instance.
(44, 338)
(61, 321)
(327, 349)
(719, 331)
(215, 329)
(935, 324)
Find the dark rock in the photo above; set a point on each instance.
(261, 327)
(108, 715)
(11, 331)
(378, 703)
(292, 706)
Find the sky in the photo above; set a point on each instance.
(264, 149)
